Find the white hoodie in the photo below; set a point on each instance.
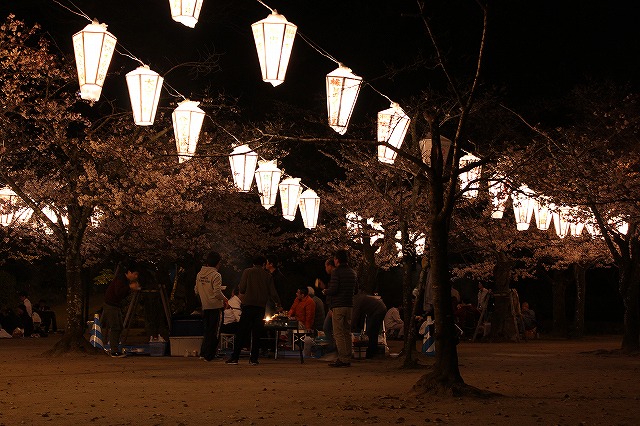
(209, 288)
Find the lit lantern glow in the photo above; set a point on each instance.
(309, 208)
(342, 92)
(274, 38)
(499, 197)
(523, 204)
(243, 165)
(576, 225)
(561, 220)
(7, 201)
(542, 213)
(393, 124)
(290, 191)
(267, 179)
(187, 122)
(144, 86)
(93, 48)
(185, 11)
(425, 149)
(621, 225)
(470, 180)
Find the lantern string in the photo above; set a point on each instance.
(316, 47)
(176, 93)
(129, 55)
(265, 5)
(379, 92)
(81, 13)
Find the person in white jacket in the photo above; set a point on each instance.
(209, 288)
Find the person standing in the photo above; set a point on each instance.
(341, 287)
(282, 285)
(370, 311)
(125, 281)
(209, 288)
(256, 289)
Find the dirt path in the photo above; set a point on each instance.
(543, 382)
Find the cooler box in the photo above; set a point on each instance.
(185, 345)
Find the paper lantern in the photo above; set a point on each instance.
(425, 149)
(561, 220)
(93, 48)
(342, 92)
(470, 180)
(274, 38)
(7, 200)
(309, 208)
(499, 197)
(290, 191)
(185, 11)
(576, 221)
(523, 204)
(393, 124)
(144, 86)
(187, 122)
(243, 165)
(542, 213)
(267, 179)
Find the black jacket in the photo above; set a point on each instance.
(342, 286)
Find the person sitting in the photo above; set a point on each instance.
(24, 300)
(232, 314)
(528, 323)
(394, 324)
(303, 308)
(25, 323)
(318, 321)
(48, 317)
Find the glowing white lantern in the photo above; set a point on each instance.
(342, 92)
(499, 197)
(561, 220)
(542, 213)
(7, 198)
(93, 48)
(144, 86)
(185, 11)
(290, 191)
(425, 148)
(393, 124)
(470, 180)
(523, 204)
(243, 165)
(274, 38)
(187, 122)
(621, 225)
(309, 208)
(577, 223)
(267, 179)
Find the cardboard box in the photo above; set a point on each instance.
(185, 346)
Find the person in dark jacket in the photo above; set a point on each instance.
(370, 310)
(125, 281)
(342, 285)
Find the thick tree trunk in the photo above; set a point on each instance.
(559, 289)
(578, 322)
(629, 285)
(503, 326)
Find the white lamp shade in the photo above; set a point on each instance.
(561, 220)
(290, 191)
(274, 38)
(93, 48)
(267, 179)
(342, 92)
(185, 11)
(426, 145)
(523, 204)
(243, 165)
(144, 86)
(393, 124)
(309, 208)
(542, 213)
(7, 209)
(187, 122)
(470, 180)
(499, 196)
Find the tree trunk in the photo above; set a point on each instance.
(503, 326)
(629, 286)
(559, 289)
(409, 316)
(578, 322)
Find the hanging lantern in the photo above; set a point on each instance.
(274, 38)
(523, 207)
(7, 199)
(342, 92)
(93, 48)
(542, 213)
(470, 180)
(185, 11)
(309, 208)
(425, 148)
(393, 124)
(290, 191)
(243, 165)
(267, 179)
(561, 217)
(187, 122)
(499, 197)
(144, 86)
(576, 222)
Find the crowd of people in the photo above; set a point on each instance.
(27, 319)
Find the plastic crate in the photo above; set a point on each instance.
(185, 345)
(157, 348)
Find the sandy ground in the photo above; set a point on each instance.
(543, 382)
